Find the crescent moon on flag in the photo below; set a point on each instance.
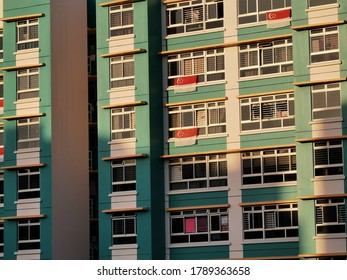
(272, 15)
(180, 81)
(180, 134)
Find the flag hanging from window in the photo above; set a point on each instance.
(186, 137)
(277, 19)
(185, 84)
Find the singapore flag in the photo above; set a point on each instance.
(186, 137)
(185, 84)
(277, 19)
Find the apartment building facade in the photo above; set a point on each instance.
(44, 189)
(216, 129)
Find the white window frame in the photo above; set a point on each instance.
(1, 45)
(31, 127)
(263, 59)
(126, 179)
(2, 190)
(268, 112)
(311, 3)
(272, 166)
(201, 15)
(27, 40)
(326, 101)
(325, 209)
(29, 238)
(123, 28)
(126, 71)
(257, 14)
(324, 44)
(123, 236)
(27, 189)
(123, 123)
(209, 117)
(209, 231)
(262, 222)
(207, 65)
(214, 167)
(28, 81)
(328, 158)
(1, 239)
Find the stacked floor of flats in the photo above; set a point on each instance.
(131, 195)
(255, 131)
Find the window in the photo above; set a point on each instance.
(269, 166)
(28, 234)
(1, 239)
(324, 44)
(2, 190)
(123, 123)
(2, 91)
(1, 143)
(27, 34)
(122, 71)
(210, 225)
(198, 172)
(328, 158)
(28, 183)
(266, 58)
(27, 83)
(124, 229)
(210, 118)
(267, 112)
(123, 175)
(189, 16)
(326, 101)
(330, 216)
(121, 20)
(28, 133)
(253, 11)
(1, 45)
(270, 221)
(206, 65)
(313, 3)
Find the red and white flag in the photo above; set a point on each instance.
(277, 19)
(186, 137)
(185, 84)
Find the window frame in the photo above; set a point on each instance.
(207, 65)
(1, 44)
(324, 55)
(123, 165)
(28, 142)
(125, 79)
(28, 228)
(196, 226)
(322, 213)
(124, 238)
(256, 226)
(257, 15)
(27, 43)
(122, 29)
(27, 189)
(260, 60)
(130, 131)
(27, 76)
(261, 168)
(2, 190)
(326, 150)
(197, 22)
(329, 111)
(254, 118)
(209, 117)
(196, 166)
(317, 5)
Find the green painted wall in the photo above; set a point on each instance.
(200, 253)
(263, 250)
